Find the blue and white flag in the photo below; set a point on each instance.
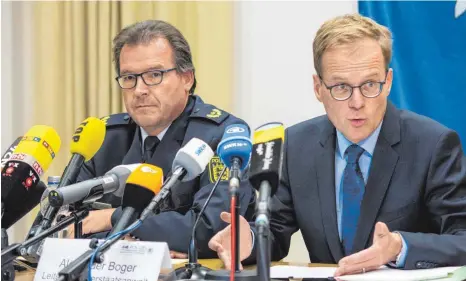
(429, 57)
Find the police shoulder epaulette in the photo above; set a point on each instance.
(116, 119)
(209, 112)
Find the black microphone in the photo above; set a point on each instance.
(86, 141)
(264, 175)
(6, 156)
(10, 151)
(141, 186)
(25, 201)
(21, 172)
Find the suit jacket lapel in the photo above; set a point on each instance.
(382, 167)
(165, 154)
(325, 167)
(134, 154)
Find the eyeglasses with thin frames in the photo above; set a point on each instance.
(343, 91)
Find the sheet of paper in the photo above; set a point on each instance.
(285, 271)
(384, 273)
(390, 274)
(179, 261)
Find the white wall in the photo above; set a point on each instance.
(274, 65)
(16, 94)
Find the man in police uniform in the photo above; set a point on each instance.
(156, 74)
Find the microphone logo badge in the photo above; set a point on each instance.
(234, 130)
(200, 149)
(10, 169)
(147, 169)
(268, 155)
(18, 156)
(260, 149)
(30, 180)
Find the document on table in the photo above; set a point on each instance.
(284, 271)
(384, 273)
(179, 261)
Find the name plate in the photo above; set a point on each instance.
(125, 260)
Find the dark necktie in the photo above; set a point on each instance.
(150, 143)
(353, 191)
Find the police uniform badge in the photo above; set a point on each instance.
(209, 112)
(215, 113)
(215, 169)
(116, 119)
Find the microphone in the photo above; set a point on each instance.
(141, 186)
(7, 156)
(265, 169)
(10, 151)
(89, 191)
(264, 175)
(24, 204)
(235, 151)
(190, 161)
(21, 173)
(86, 141)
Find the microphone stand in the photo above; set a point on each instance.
(245, 275)
(263, 232)
(10, 253)
(193, 269)
(8, 271)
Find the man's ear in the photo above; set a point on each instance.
(188, 80)
(317, 87)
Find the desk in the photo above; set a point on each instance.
(210, 263)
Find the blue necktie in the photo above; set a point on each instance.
(353, 191)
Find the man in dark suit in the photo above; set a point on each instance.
(156, 73)
(367, 184)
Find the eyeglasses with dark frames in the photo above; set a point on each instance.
(150, 78)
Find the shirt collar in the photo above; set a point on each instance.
(144, 134)
(368, 144)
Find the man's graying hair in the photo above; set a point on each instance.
(146, 31)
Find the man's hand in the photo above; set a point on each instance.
(221, 242)
(96, 221)
(385, 248)
(178, 255)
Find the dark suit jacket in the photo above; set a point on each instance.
(175, 219)
(416, 185)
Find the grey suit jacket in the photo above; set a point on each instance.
(416, 185)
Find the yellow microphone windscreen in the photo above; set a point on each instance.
(88, 138)
(42, 143)
(268, 132)
(147, 176)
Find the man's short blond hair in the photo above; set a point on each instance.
(349, 29)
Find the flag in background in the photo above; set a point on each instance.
(429, 57)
